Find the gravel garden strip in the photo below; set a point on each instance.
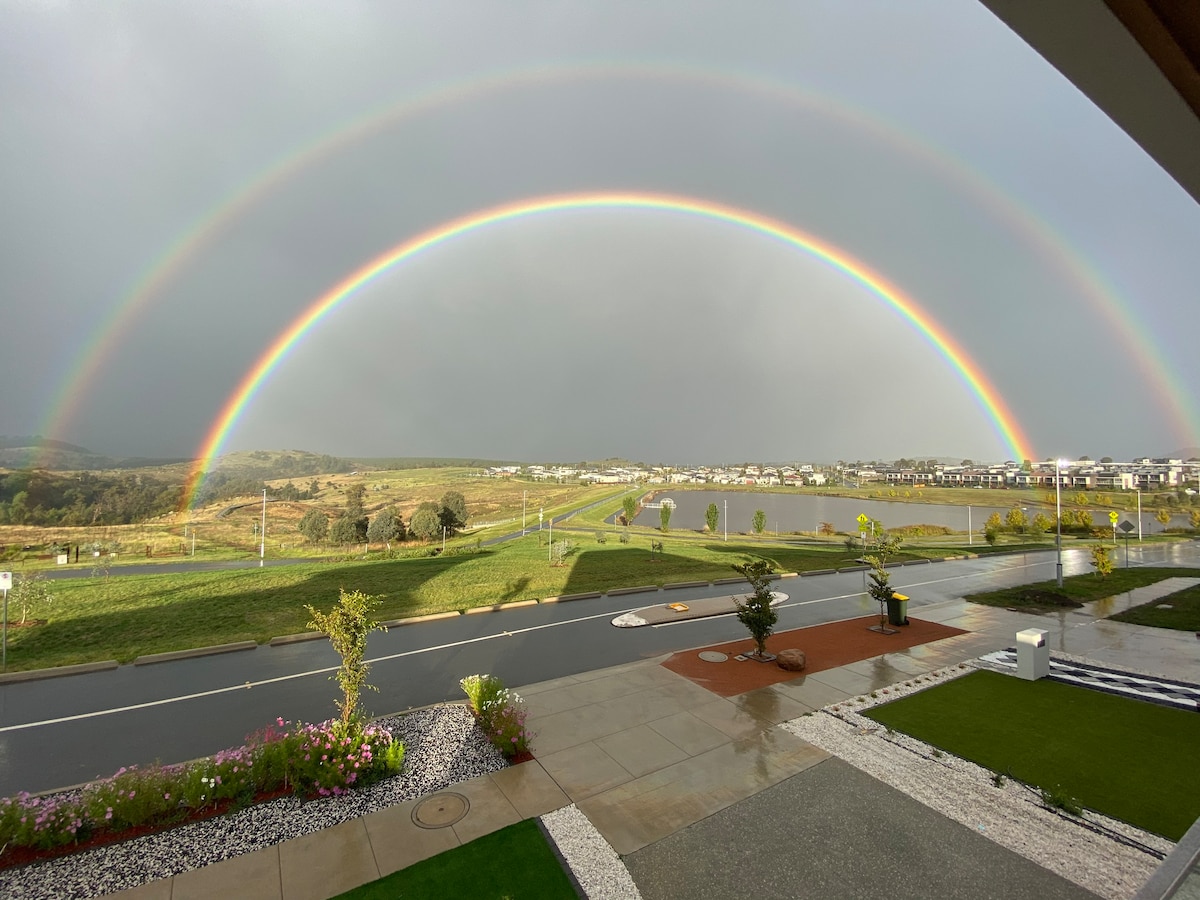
(594, 862)
(1108, 857)
(442, 744)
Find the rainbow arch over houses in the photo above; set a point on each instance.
(989, 400)
(1038, 235)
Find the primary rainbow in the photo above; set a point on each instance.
(988, 398)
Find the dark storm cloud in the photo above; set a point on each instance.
(635, 334)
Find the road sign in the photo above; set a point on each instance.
(5, 581)
(1112, 517)
(862, 519)
(1127, 526)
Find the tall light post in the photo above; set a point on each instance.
(1139, 490)
(726, 518)
(1058, 510)
(262, 547)
(523, 495)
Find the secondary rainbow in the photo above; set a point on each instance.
(1132, 328)
(989, 399)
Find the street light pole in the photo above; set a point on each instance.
(550, 545)
(523, 495)
(726, 501)
(1139, 515)
(262, 547)
(1058, 509)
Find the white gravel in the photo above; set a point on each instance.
(596, 865)
(1010, 815)
(442, 747)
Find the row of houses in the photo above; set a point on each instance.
(1085, 474)
(1142, 474)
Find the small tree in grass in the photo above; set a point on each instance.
(756, 611)
(348, 625)
(1101, 560)
(1164, 517)
(31, 592)
(712, 517)
(664, 517)
(629, 504)
(760, 521)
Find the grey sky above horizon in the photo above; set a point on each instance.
(583, 334)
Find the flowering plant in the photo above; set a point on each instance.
(323, 760)
(500, 712)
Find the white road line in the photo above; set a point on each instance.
(281, 678)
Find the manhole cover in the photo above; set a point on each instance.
(713, 656)
(440, 810)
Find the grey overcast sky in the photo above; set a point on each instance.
(921, 139)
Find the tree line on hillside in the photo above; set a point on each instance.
(36, 497)
(354, 526)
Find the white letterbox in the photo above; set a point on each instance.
(1033, 656)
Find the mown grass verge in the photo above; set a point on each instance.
(513, 862)
(1179, 611)
(1131, 760)
(1076, 589)
(122, 617)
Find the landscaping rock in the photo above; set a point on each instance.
(791, 660)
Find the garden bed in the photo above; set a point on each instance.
(443, 746)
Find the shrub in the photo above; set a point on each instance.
(756, 612)
(481, 690)
(1101, 560)
(500, 713)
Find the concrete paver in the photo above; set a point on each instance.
(397, 842)
(254, 874)
(770, 706)
(584, 770)
(691, 735)
(326, 863)
(490, 809)
(530, 789)
(640, 750)
(649, 808)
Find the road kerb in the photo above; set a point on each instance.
(684, 584)
(617, 592)
(566, 598)
(59, 671)
(413, 620)
(152, 658)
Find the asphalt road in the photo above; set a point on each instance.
(62, 731)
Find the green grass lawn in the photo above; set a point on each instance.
(1131, 760)
(1077, 588)
(1184, 614)
(515, 862)
(123, 617)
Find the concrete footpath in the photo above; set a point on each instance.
(707, 796)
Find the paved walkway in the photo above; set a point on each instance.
(648, 756)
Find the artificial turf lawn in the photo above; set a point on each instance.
(1131, 760)
(1183, 614)
(513, 862)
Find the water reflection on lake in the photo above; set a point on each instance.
(787, 512)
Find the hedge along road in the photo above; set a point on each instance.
(62, 731)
